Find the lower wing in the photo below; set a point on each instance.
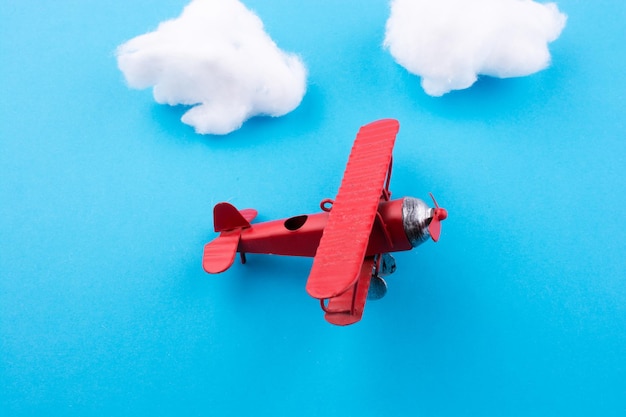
(347, 308)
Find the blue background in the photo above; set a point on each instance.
(106, 202)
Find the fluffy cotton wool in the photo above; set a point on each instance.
(449, 42)
(216, 57)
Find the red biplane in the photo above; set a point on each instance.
(350, 239)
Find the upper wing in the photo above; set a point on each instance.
(344, 241)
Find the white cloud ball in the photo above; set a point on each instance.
(217, 58)
(449, 42)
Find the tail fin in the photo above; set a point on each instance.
(227, 217)
(219, 254)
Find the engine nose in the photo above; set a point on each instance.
(417, 217)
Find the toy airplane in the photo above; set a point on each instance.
(350, 239)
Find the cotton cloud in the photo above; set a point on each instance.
(449, 42)
(217, 58)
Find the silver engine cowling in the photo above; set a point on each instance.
(416, 216)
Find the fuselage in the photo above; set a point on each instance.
(300, 235)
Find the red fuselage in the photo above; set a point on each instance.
(300, 235)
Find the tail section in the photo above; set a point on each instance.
(227, 217)
(220, 254)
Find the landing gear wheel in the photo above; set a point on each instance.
(378, 288)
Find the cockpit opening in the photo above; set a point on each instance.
(296, 222)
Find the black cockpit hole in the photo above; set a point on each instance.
(294, 223)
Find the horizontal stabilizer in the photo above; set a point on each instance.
(219, 254)
(248, 214)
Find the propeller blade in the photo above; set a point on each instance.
(439, 214)
(434, 201)
(434, 228)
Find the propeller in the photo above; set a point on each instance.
(439, 214)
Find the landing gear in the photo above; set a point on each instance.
(378, 288)
(385, 265)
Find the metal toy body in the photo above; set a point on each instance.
(350, 239)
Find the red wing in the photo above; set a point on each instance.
(347, 308)
(345, 238)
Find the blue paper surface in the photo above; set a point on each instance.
(106, 202)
